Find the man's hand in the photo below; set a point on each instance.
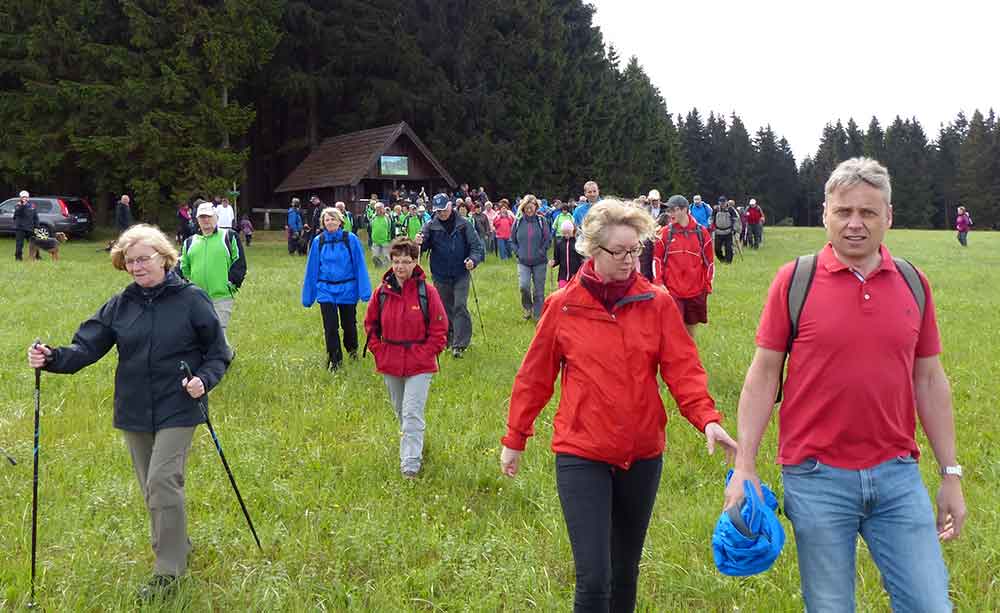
(195, 388)
(469, 264)
(552, 263)
(734, 491)
(510, 460)
(716, 434)
(419, 238)
(950, 508)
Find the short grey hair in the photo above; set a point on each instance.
(605, 214)
(855, 171)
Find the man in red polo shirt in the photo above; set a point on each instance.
(863, 359)
(684, 263)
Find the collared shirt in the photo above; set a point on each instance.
(848, 398)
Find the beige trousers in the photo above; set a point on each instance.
(158, 460)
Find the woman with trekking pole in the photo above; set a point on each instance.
(407, 328)
(336, 277)
(608, 431)
(154, 322)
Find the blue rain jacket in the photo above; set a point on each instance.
(752, 547)
(336, 272)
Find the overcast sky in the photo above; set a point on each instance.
(798, 65)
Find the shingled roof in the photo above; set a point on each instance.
(344, 159)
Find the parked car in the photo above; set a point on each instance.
(69, 214)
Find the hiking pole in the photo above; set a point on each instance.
(739, 249)
(218, 446)
(475, 297)
(10, 459)
(34, 488)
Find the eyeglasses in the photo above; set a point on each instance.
(141, 261)
(403, 262)
(620, 255)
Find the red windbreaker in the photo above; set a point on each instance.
(755, 215)
(689, 270)
(403, 350)
(610, 408)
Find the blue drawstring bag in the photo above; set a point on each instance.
(747, 540)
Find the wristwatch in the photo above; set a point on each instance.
(951, 470)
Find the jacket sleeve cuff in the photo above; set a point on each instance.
(514, 440)
(701, 421)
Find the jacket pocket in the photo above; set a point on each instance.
(906, 459)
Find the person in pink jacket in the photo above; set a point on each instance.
(963, 223)
(502, 227)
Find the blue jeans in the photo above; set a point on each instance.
(503, 246)
(532, 297)
(889, 507)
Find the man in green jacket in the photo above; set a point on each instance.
(382, 230)
(215, 262)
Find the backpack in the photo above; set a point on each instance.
(729, 215)
(701, 244)
(424, 310)
(343, 239)
(798, 291)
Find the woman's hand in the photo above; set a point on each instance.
(37, 354)
(194, 387)
(717, 435)
(510, 459)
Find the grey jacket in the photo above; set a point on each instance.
(531, 237)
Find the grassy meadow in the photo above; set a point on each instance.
(316, 457)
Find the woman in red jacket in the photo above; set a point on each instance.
(407, 328)
(609, 428)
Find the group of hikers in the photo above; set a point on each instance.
(632, 286)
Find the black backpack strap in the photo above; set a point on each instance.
(798, 290)
(912, 278)
(424, 307)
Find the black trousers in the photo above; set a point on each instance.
(607, 512)
(19, 237)
(337, 316)
(724, 247)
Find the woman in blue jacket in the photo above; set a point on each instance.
(337, 278)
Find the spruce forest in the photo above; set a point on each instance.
(169, 99)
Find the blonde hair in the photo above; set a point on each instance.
(606, 214)
(147, 235)
(332, 212)
(528, 199)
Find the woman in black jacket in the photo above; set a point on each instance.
(564, 254)
(156, 322)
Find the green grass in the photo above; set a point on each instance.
(316, 457)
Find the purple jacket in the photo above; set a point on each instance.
(963, 222)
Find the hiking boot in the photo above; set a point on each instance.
(457, 352)
(160, 586)
(527, 314)
(410, 474)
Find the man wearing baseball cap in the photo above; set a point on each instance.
(684, 263)
(455, 250)
(25, 220)
(214, 261)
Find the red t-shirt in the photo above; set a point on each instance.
(848, 397)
